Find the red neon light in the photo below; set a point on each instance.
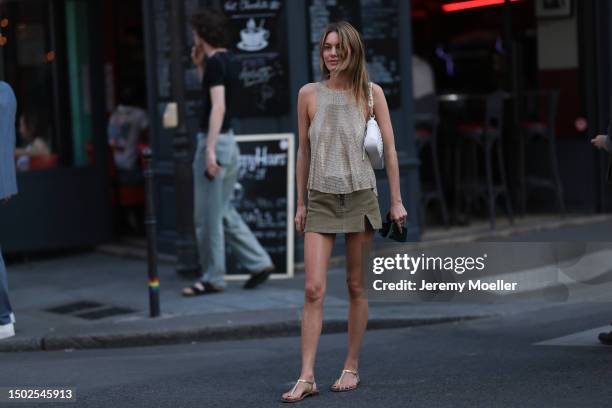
(464, 5)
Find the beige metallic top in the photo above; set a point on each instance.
(337, 162)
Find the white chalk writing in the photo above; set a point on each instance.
(252, 5)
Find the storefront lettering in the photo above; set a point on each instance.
(262, 158)
(252, 77)
(252, 5)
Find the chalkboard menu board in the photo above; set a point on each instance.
(264, 197)
(377, 21)
(258, 36)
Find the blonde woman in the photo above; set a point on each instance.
(342, 194)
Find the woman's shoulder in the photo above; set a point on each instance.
(377, 89)
(307, 93)
(308, 89)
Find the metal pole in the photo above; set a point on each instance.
(151, 226)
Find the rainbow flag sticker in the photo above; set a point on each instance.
(154, 284)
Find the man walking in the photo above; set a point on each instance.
(8, 188)
(215, 164)
(605, 142)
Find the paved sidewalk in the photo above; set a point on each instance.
(107, 282)
(272, 309)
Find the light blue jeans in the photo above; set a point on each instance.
(5, 305)
(215, 218)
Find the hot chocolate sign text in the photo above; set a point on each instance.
(258, 31)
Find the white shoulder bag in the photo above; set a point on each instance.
(372, 142)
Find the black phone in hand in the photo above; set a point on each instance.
(208, 175)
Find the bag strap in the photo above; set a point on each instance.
(370, 101)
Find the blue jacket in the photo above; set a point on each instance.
(8, 107)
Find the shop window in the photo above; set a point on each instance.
(44, 56)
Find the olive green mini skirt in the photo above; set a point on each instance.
(341, 213)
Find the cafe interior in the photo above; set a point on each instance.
(499, 111)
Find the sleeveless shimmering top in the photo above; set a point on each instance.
(337, 162)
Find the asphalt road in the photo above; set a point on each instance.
(493, 362)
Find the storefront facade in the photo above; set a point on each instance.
(68, 73)
(49, 55)
(80, 73)
(529, 47)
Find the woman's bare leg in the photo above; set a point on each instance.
(317, 251)
(358, 307)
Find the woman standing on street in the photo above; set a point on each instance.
(341, 191)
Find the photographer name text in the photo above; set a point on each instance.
(470, 285)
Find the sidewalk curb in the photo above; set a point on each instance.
(206, 334)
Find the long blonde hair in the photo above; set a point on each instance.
(353, 67)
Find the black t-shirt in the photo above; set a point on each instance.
(220, 69)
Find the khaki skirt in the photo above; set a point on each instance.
(341, 213)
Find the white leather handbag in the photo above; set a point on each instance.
(372, 142)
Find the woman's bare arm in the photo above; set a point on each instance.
(381, 110)
(303, 152)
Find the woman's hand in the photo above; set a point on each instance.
(212, 168)
(599, 141)
(398, 214)
(300, 218)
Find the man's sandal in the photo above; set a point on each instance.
(336, 387)
(199, 289)
(311, 392)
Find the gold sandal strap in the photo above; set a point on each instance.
(339, 380)
(311, 383)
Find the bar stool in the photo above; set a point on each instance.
(487, 135)
(538, 125)
(426, 135)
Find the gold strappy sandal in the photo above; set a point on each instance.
(311, 392)
(336, 387)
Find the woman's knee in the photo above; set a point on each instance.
(355, 288)
(314, 292)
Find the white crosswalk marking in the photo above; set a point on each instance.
(583, 338)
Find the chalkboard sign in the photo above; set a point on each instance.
(258, 36)
(263, 196)
(377, 21)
